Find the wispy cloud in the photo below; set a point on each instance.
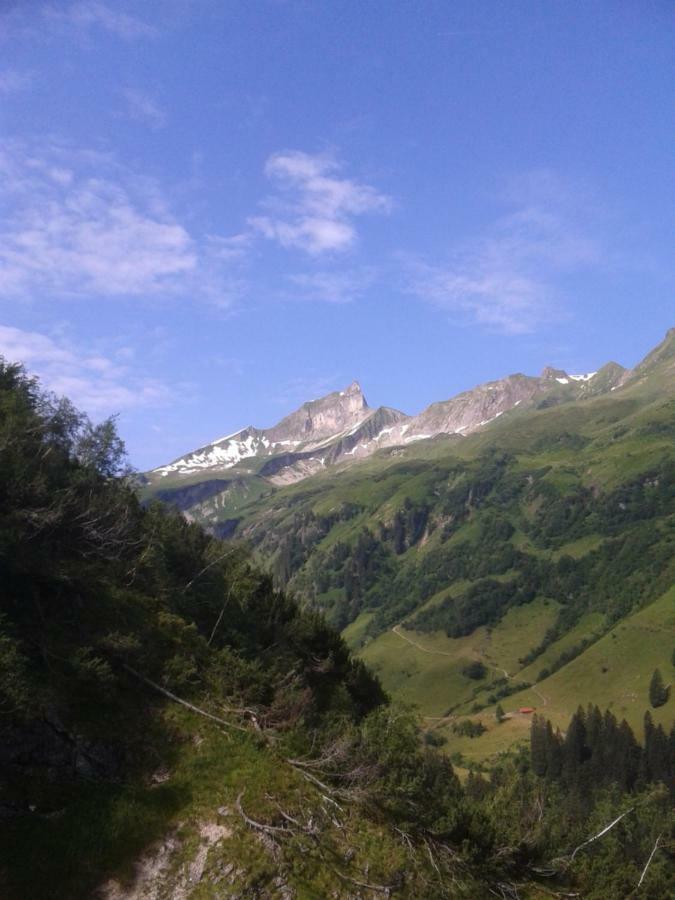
(507, 279)
(311, 387)
(331, 287)
(143, 108)
(13, 81)
(100, 384)
(314, 207)
(87, 14)
(78, 224)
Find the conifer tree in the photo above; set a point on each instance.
(538, 745)
(658, 692)
(574, 749)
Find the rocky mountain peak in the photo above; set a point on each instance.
(341, 428)
(327, 416)
(549, 373)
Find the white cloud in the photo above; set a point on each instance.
(507, 280)
(13, 81)
(88, 14)
(314, 208)
(78, 224)
(95, 383)
(143, 108)
(331, 287)
(304, 388)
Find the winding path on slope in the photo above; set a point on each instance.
(419, 646)
(396, 631)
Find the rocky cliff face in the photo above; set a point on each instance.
(319, 419)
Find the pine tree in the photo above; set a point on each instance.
(657, 754)
(553, 752)
(499, 713)
(628, 757)
(538, 745)
(575, 751)
(658, 692)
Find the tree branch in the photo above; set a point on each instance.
(654, 849)
(187, 704)
(600, 833)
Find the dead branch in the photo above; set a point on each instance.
(176, 699)
(259, 826)
(651, 855)
(600, 833)
(405, 838)
(432, 859)
(378, 888)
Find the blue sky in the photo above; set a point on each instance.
(215, 210)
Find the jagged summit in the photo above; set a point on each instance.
(341, 428)
(320, 418)
(550, 372)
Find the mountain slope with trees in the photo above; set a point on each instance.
(521, 546)
(174, 724)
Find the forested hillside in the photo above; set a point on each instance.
(539, 547)
(174, 726)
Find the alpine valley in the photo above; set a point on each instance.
(181, 718)
(526, 526)
(513, 545)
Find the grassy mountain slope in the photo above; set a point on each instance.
(522, 546)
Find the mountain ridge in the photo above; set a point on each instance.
(330, 426)
(340, 429)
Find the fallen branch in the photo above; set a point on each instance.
(176, 699)
(259, 826)
(600, 833)
(654, 849)
(380, 888)
(432, 859)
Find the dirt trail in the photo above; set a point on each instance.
(419, 646)
(542, 697)
(533, 688)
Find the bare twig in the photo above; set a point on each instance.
(654, 849)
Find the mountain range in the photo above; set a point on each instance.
(211, 482)
(526, 525)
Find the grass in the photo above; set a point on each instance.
(355, 633)
(613, 673)
(591, 623)
(430, 681)
(521, 629)
(431, 678)
(580, 547)
(79, 836)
